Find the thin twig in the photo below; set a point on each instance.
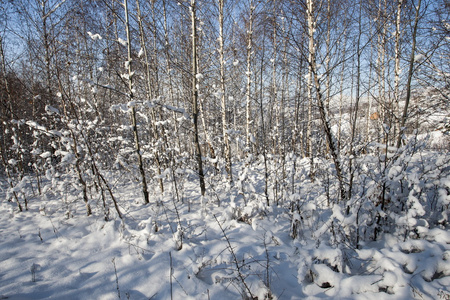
(235, 260)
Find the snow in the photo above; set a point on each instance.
(50, 109)
(122, 42)
(94, 36)
(141, 52)
(225, 244)
(51, 256)
(127, 75)
(46, 154)
(12, 162)
(199, 76)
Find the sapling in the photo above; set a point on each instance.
(113, 261)
(266, 250)
(34, 268)
(178, 236)
(171, 274)
(444, 295)
(10, 177)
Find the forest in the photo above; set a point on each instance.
(224, 149)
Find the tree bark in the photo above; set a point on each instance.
(133, 109)
(226, 139)
(198, 152)
(410, 74)
(356, 109)
(397, 70)
(249, 74)
(321, 105)
(311, 50)
(150, 94)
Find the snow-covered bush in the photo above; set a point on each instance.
(402, 192)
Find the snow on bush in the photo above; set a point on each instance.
(390, 238)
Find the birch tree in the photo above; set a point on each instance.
(313, 72)
(397, 70)
(404, 116)
(195, 77)
(133, 108)
(249, 53)
(311, 23)
(150, 92)
(226, 139)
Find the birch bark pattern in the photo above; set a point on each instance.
(310, 20)
(198, 153)
(397, 70)
(320, 103)
(356, 109)
(226, 139)
(249, 74)
(382, 11)
(133, 109)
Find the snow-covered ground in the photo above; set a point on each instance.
(229, 250)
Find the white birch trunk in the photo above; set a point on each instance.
(198, 152)
(226, 139)
(149, 92)
(311, 48)
(133, 109)
(320, 102)
(249, 74)
(397, 70)
(410, 74)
